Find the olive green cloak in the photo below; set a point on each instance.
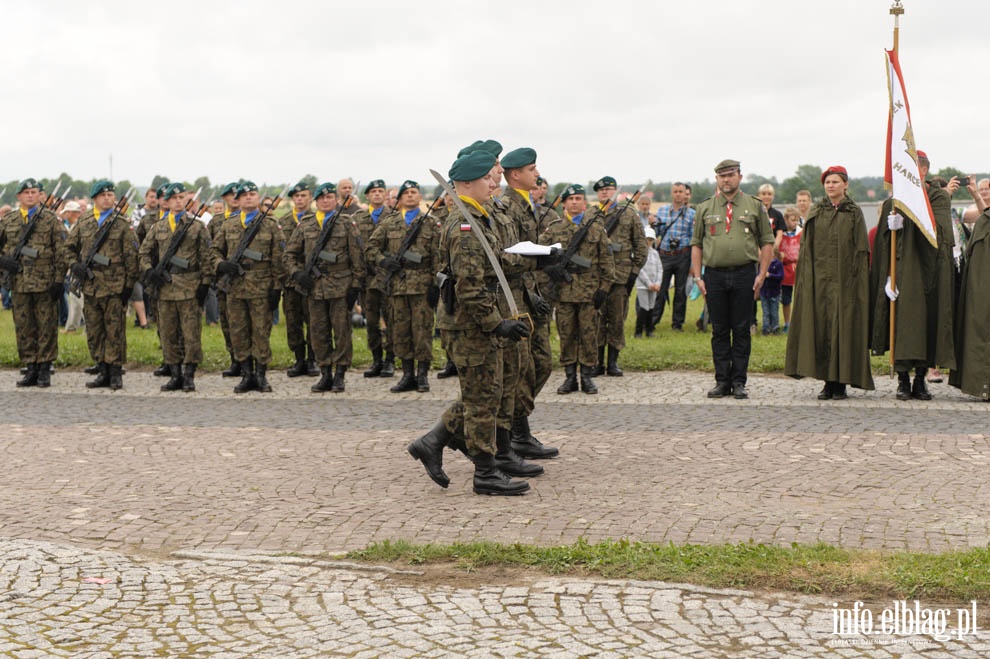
(829, 335)
(972, 374)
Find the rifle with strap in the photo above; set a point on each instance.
(610, 227)
(93, 255)
(549, 208)
(403, 253)
(21, 249)
(242, 251)
(318, 253)
(163, 270)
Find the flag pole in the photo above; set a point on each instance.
(896, 10)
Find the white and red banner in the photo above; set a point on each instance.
(902, 174)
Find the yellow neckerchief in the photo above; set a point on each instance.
(471, 202)
(171, 220)
(227, 211)
(257, 216)
(525, 195)
(604, 209)
(24, 214)
(320, 217)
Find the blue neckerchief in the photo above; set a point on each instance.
(377, 213)
(411, 215)
(33, 211)
(178, 217)
(249, 217)
(299, 215)
(577, 219)
(103, 217)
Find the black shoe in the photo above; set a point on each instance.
(261, 382)
(677, 328)
(613, 369)
(525, 444)
(298, 368)
(102, 377)
(839, 392)
(175, 382)
(30, 378)
(428, 449)
(163, 371)
(92, 370)
(408, 380)
(376, 365)
(827, 391)
(45, 374)
(247, 378)
(422, 379)
(599, 369)
(388, 366)
(508, 461)
(312, 370)
(338, 380)
(116, 378)
(739, 392)
(235, 369)
(448, 371)
(920, 390)
(588, 385)
(325, 382)
(189, 378)
(570, 383)
(903, 386)
(489, 479)
(720, 390)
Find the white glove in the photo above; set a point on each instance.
(892, 293)
(895, 222)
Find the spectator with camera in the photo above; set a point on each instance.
(674, 227)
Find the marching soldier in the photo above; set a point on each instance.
(329, 243)
(114, 270)
(628, 245)
(294, 304)
(181, 285)
(255, 285)
(32, 239)
(405, 245)
(232, 207)
(374, 302)
(579, 292)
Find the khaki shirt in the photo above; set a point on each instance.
(750, 230)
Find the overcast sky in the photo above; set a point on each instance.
(653, 89)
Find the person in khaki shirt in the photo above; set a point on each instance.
(732, 234)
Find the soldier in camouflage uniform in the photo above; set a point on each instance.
(472, 330)
(105, 296)
(628, 245)
(410, 319)
(180, 300)
(374, 301)
(255, 286)
(294, 303)
(232, 207)
(579, 299)
(146, 219)
(332, 285)
(34, 280)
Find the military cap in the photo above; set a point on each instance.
(835, 169)
(492, 147)
(726, 165)
(571, 190)
(324, 188)
(471, 166)
(172, 190)
(605, 182)
(407, 185)
(160, 190)
(230, 188)
(474, 146)
(519, 158)
(541, 181)
(377, 183)
(301, 186)
(102, 185)
(27, 184)
(246, 186)
(922, 156)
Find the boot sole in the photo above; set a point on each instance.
(414, 452)
(503, 493)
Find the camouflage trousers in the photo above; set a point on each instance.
(224, 319)
(576, 324)
(36, 326)
(295, 308)
(479, 371)
(180, 331)
(250, 328)
(410, 326)
(374, 303)
(515, 357)
(330, 331)
(536, 370)
(106, 323)
(612, 320)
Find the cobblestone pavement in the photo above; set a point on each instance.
(116, 482)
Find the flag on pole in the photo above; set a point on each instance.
(901, 174)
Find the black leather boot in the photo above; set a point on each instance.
(102, 378)
(236, 369)
(428, 449)
(312, 370)
(261, 382)
(45, 374)
(92, 370)
(613, 363)
(422, 380)
(489, 479)
(30, 378)
(448, 371)
(599, 368)
(570, 383)
(189, 377)
(175, 382)
(163, 371)
(326, 380)
(903, 385)
(839, 391)
(408, 380)
(116, 377)
(388, 366)
(299, 367)
(338, 379)
(588, 385)
(376, 364)
(508, 461)
(827, 391)
(525, 444)
(920, 390)
(247, 377)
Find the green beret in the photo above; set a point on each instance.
(474, 146)
(301, 186)
(407, 185)
(541, 181)
(605, 182)
(102, 185)
(572, 190)
(246, 186)
(172, 190)
(471, 166)
(726, 165)
(160, 190)
(27, 184)
(519, 158)
(230, 188)
(492, 147)
(374, 185)
(324, 188)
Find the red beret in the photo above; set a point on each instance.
(835, 169)
(922, 155)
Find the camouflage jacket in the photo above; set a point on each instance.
(194, 248)
(518, 269)
(594, 247)
(476, 306)
(261, 276)
(366, 225)
(341, 264)
(413, 278)
(120, 248)
(627, 240)
(48, 239)
(289, 223)
(145, 222)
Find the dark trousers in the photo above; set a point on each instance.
(730, 307)
(677, 268)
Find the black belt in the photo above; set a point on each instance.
(732, 268)
(674, 253)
